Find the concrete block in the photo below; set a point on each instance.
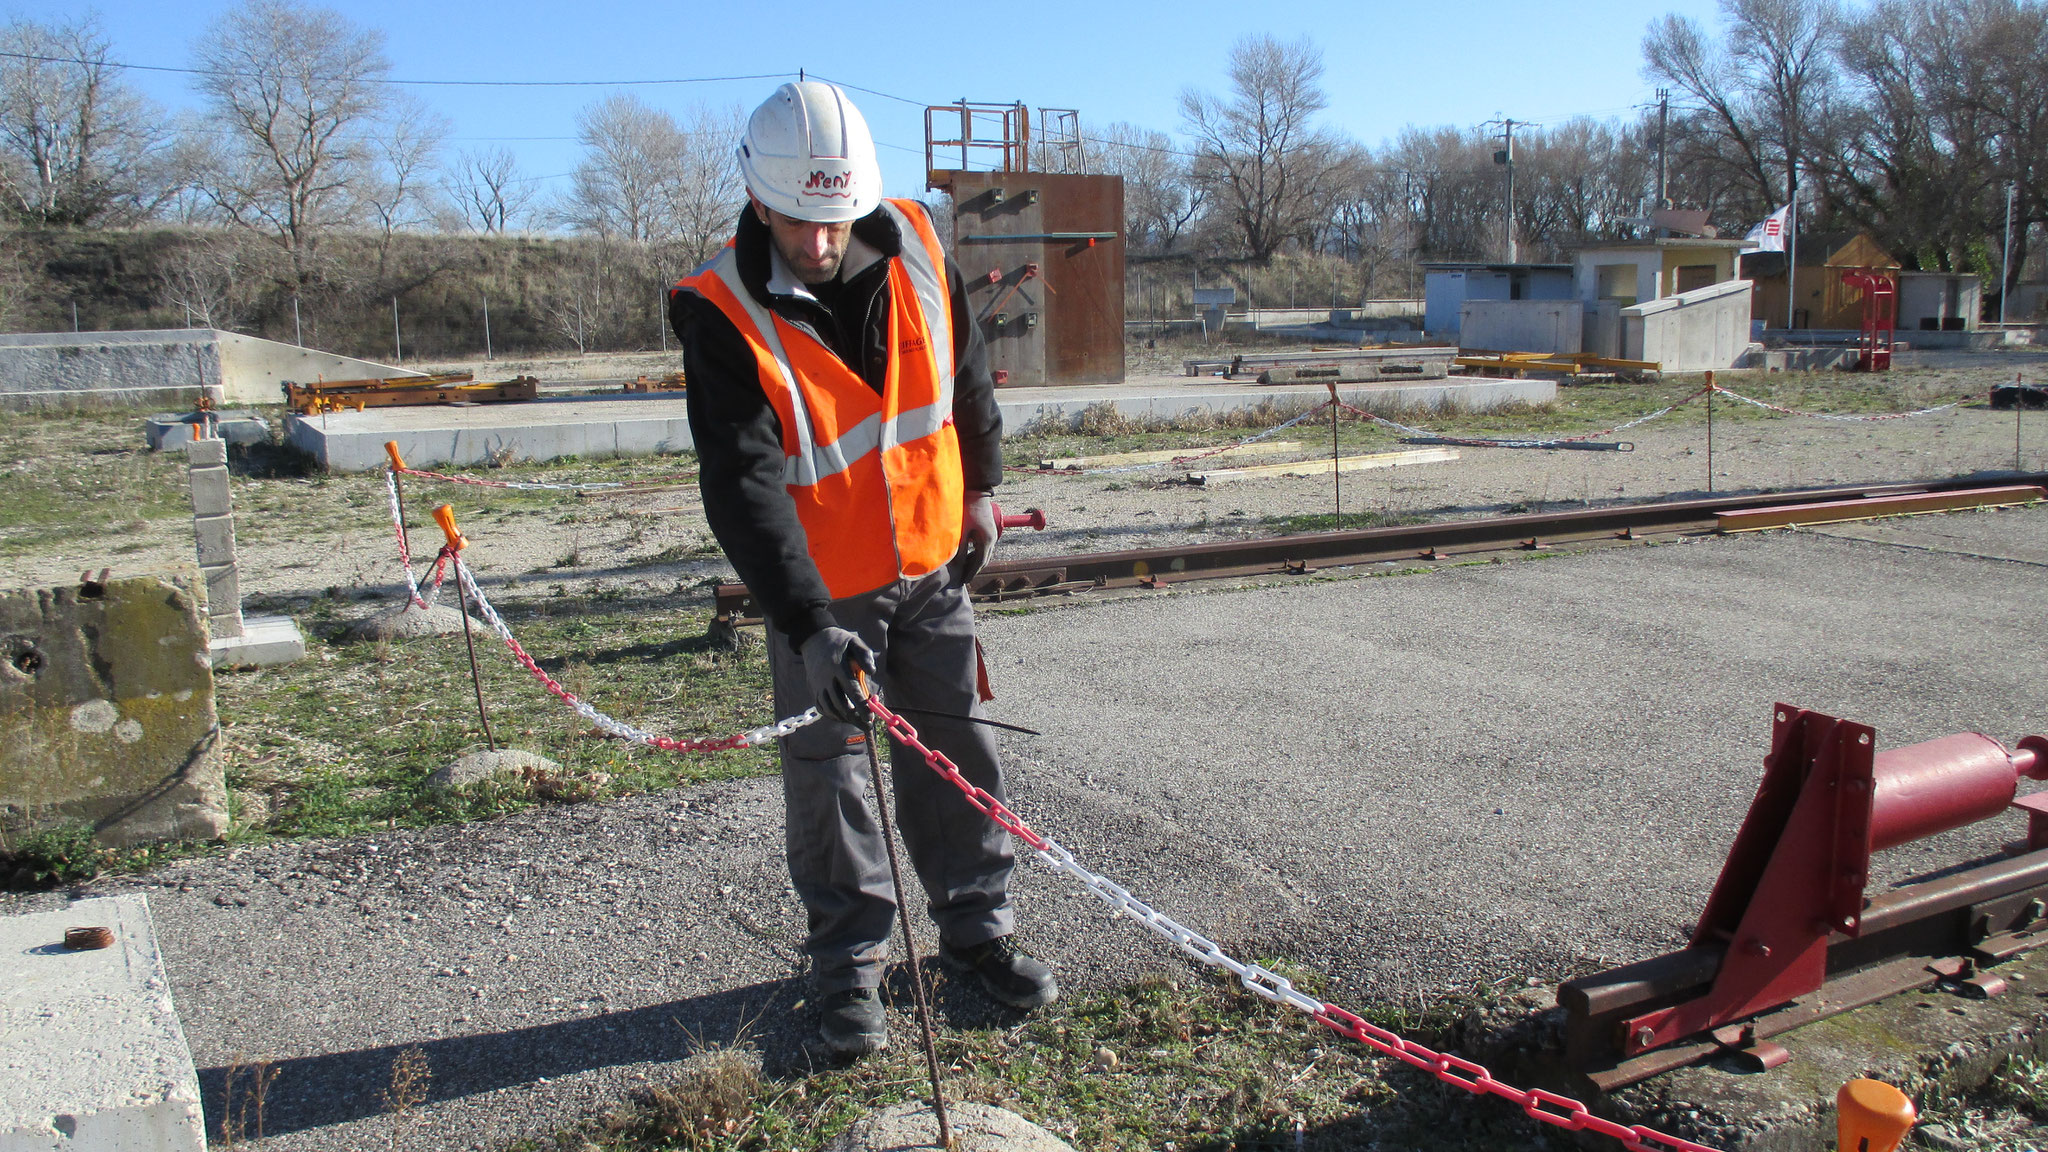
(223, 595)
(210, 491)
(167, 430)
(265, 640)
(215, 536)
(200, 453)
(91, 1055)
(106, 710)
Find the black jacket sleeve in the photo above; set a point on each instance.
(739, 452)
(975, 414)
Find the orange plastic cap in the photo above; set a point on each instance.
(444, 515)
(397, 461)
(1871, 1116)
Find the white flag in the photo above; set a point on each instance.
(1769, 236)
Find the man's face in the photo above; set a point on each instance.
(812, 251)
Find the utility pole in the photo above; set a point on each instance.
(1506, 157)
(1663, 136)
(2005, 267)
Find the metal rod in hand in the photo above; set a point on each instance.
(924, 1018)
(444, 515)
(1710, 431)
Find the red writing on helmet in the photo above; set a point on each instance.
(829, 185)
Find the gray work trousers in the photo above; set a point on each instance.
(922, 633)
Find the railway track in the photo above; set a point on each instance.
(1308, 552)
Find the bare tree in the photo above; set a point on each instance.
(488, 190)
(631, 151)
(1762, 104)
(293, 93)
(77, 147)
(205, 277)
(1160, 195)
(405, 148)
(1266, 165)
(704, 190)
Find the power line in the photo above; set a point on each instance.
(397, 80)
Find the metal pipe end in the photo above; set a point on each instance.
(2030, 758)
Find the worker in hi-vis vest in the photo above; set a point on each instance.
(845, 418)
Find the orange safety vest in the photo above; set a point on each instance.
(876, 479)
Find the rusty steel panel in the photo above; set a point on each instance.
(1043, 258)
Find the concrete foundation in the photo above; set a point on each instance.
(91, 1055)
(171, 430)
(172, 366)
(106, 710)
(590, 427)
(265, 640)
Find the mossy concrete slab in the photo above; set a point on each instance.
(107, 710)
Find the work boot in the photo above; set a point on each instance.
(851, 1022)
(1008, 974)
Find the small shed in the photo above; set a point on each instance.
(1630, 272)
(1446, 286)
(1824, 301)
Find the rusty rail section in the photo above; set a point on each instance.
(1306, 552)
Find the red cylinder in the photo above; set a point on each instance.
(1926, 789)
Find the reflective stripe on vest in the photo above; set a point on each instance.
(863, 479)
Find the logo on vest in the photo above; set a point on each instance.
(828, 185)
(911, 343)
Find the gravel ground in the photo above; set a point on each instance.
(1416, 783)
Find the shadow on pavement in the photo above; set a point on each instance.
(316, 1091)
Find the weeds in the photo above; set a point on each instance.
(246, 1086)
(407, 1090)
(64, 853)
(1178, 1062)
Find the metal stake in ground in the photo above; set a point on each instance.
(1710, 431)
(2019, 405)
(444, 515)
(1336, 476)
(924, 1018)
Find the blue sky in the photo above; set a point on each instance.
(1388, 65)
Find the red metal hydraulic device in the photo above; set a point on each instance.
(1788, 935)
(1880, 315)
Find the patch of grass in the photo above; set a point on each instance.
(343, 741)
(1184, 1063)
(63, 853)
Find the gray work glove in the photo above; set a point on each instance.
(978, 534)
(830, 656)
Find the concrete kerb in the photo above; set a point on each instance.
(597, 427)
(92, 1058)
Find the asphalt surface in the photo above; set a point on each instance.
(1417, 782)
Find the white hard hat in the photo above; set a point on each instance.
(808, 155)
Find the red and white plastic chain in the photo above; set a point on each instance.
(1483, 442)
(1548, 1107)
(405, 551)
(606, 724)
(1766, 405)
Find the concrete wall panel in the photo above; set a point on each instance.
(1523, 325)
(168, 366)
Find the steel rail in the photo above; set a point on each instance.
(1304, 552)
